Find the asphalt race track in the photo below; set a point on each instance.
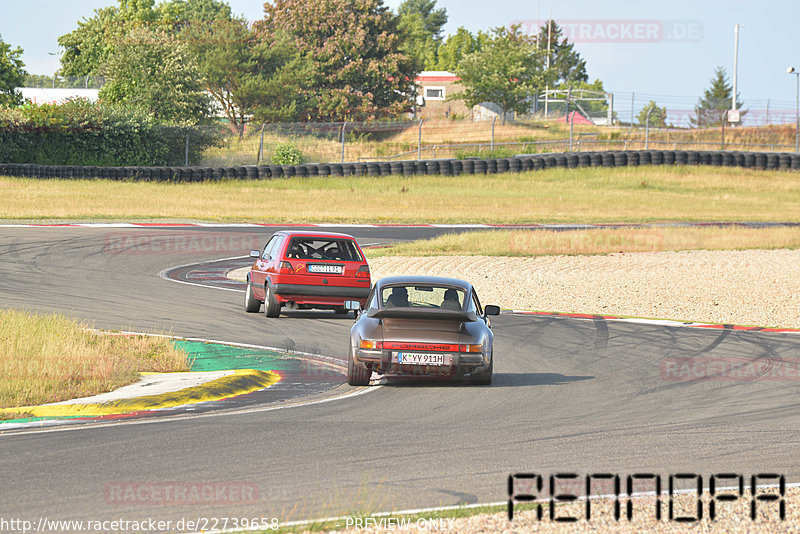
(570, 395)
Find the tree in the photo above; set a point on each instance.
(357, 70)
(416, 42)
(249, 76)
(716, 100)
(658, 116)
(433, 20)
(154, 71)
(89, 47)
(179, 14)
(12, 74)
(507, 71)
(454, 48)
(565, 61)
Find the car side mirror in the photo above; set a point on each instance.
(491, 309)
(255, 254)
(352, 305)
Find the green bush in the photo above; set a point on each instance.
(80, 132)
(287, 154)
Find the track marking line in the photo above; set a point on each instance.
(418, 511)
(239, 382)
(661, 322)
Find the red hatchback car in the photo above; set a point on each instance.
(307, 270)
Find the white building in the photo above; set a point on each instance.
(49, 95)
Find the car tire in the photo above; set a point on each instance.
(356, 375)
(272, 308)
(484, 378)
(251, 303)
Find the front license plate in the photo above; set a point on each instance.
(419, 358)
(326, 269)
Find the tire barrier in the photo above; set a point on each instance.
(656, 157)
(446, 167)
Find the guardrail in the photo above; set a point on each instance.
(449, 167)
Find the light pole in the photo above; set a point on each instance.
(791, 70)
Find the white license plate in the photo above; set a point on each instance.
(419, 358)
(326, 269)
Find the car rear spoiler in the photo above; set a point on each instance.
(422, 313)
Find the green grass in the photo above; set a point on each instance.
(637, 194)
(445, 513)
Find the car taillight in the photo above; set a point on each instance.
(285, 268)
(470, 348)
(363, 272)
(371, 344)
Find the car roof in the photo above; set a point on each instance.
(423, 280)
(303, 233)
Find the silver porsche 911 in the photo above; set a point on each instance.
(421, 325)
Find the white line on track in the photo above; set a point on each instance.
(418, 511)
(163, 274)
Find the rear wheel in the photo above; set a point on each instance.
(272, 308)
(251, 304)
(483, 378)
(356, 375)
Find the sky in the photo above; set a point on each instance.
(641, 49)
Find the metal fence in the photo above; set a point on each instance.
(44, 81)
(435, 139)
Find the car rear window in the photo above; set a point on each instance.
(314, 248)
(423, 297)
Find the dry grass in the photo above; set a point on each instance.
(780, 134)
(359, 147)
(638, 194)
(524, 133)
(601, 241)
(50, 358)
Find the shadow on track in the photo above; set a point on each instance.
(499, 380)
